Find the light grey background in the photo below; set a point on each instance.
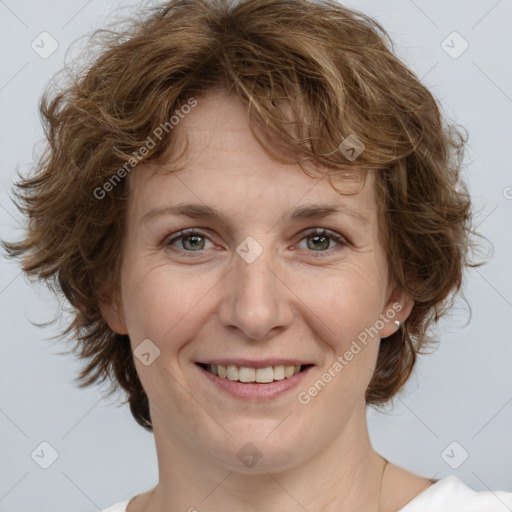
(461, 393)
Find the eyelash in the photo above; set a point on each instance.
(339, 239)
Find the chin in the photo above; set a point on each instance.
(259, 450)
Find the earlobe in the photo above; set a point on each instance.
(113, 317)
(395, 313)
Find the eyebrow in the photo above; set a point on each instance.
(201, 211)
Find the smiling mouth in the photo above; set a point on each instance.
(256, 375)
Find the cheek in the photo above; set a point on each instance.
(159, 302)
(350, 306)
(346, 301)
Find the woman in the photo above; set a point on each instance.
(256, 212)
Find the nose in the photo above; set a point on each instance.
(256, 300)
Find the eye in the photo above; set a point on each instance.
(321, 240)
(192, 240)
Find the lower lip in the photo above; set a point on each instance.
(255, 391)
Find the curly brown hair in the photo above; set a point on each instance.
(333, 68)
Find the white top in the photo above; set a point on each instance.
(448, 494)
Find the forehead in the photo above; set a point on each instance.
(224, 166)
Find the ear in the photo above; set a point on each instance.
(112, 312)
(398, 307)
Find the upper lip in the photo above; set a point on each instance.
(251, 363)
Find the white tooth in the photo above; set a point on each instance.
(289, 371)
(279, 372)
(232, 372)
(265, 374)
(246, 374)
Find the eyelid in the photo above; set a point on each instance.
(340, 239)
(183, 233)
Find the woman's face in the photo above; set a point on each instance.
(253, 289)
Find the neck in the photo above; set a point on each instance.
(344, 475)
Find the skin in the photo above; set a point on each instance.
(286, 303)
